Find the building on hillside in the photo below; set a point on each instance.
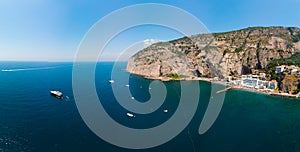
(293, 71)
(272, 85)
(279, 69)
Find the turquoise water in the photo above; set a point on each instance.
(32, 120)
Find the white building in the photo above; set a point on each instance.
(249, 82)
(279, 69)
(293, 71)
(253, 81)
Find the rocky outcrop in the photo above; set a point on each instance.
(290, 84)
(219, 54)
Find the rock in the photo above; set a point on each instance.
(289, 84)
(215, 55)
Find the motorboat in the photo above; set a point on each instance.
(130, 115)
(57, 94)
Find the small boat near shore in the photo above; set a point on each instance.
(57, 94)
(111, 81)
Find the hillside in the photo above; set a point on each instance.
(218, 54)
(293, 60)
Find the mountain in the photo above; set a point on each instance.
(217, 54)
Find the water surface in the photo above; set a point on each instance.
(32, 120)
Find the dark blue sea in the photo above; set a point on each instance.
(31, 120)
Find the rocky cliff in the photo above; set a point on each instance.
(218, 54)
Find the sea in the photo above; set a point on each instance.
(31, 120)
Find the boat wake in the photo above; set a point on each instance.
(27, 69)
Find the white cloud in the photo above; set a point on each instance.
(150, 41)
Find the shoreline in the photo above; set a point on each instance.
(233, 87)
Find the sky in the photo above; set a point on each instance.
(51, 30)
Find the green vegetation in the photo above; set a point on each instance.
(182, 40)
(175, 76)
(208, 48)
(296, 38)
(293, 60)
(296, 91)
(237, 50)
(273, 75)
(270, 68)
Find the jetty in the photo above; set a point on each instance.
(224, 90)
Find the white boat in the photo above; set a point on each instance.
(57, 94)
(127, 85)
(166, 110)
(130, 114)
(132, 98)
(111, 81)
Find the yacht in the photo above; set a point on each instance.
(56, 94)
(130, 115)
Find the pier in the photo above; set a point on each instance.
(224, 90)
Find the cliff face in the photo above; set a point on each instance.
(219, 54)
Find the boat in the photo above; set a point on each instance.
(166, 110)
(57, 94)
(111, 81)
(130, 114)
(127, 85)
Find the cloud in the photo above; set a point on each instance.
(150, 41)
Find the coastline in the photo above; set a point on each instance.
(230, 86)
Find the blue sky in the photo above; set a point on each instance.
(51, 30)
